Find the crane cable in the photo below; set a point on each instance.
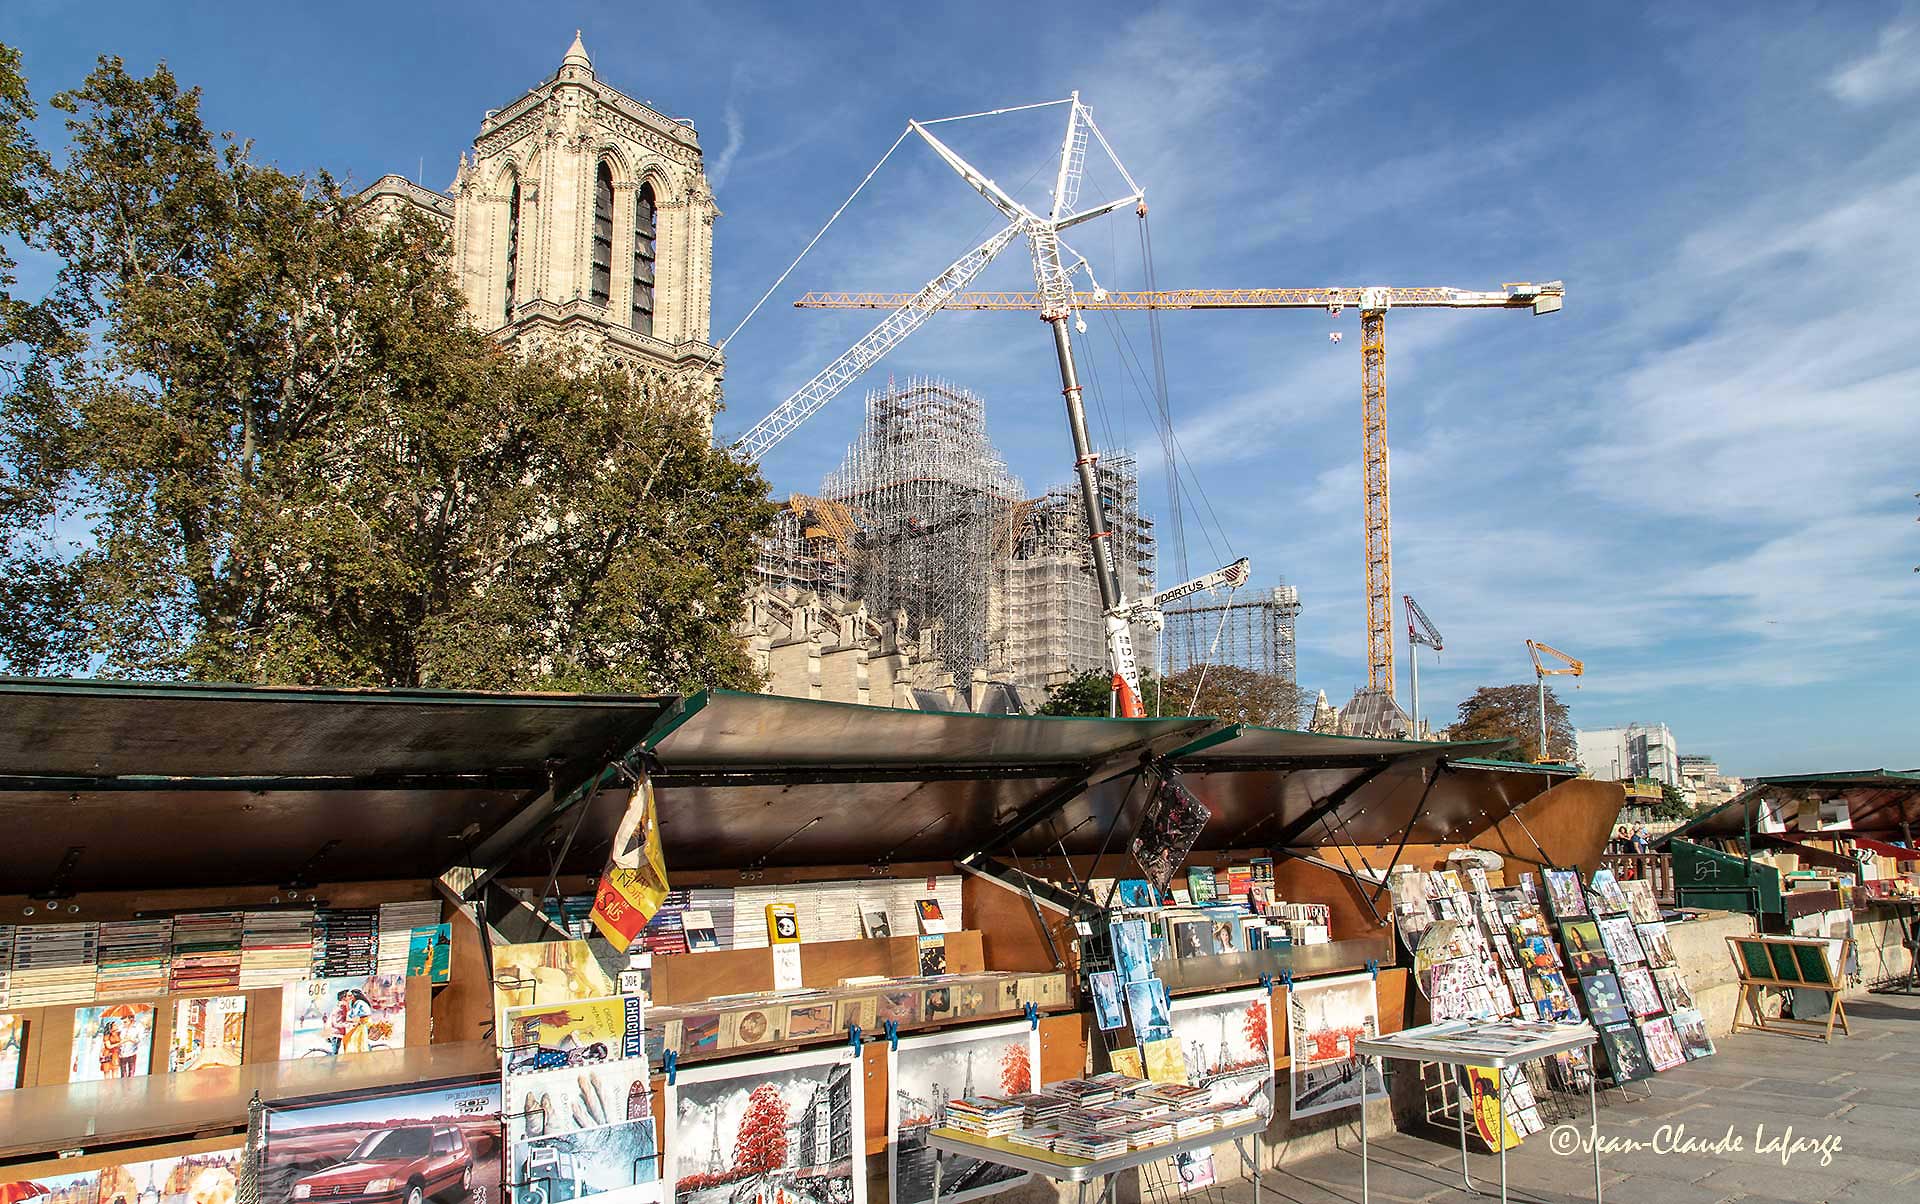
(1212, 648)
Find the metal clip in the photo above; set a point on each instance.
(854, 1039)
(1266, 981)
(1033, 1014)
(892, 1028)
(1286, 979)
(670, 1062)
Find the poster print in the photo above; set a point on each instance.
(209, 1177)
(327, 1017)
(545, 972)
(927, 1073)
(1325, 1017)
(582, 1032)
(543, 1103)
(1663, 1043)
(1228, 1043)
(207, 1031)
(114, 1041)
(1622, 943)
(440, 1144)
(616, 1163)
(1564, 897)
(13, 1046)
(792, 1127)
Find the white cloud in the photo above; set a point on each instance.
(1889, 71)
(722, 164)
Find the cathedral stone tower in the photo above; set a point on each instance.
(583, 219)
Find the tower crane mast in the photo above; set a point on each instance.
(1573, 668)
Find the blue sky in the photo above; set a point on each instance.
(1699, 477)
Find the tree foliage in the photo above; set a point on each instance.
(1235, 694)
(760, 1145)
(251, 435)
(1513, 713)
(1672, 804)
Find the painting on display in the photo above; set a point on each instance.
(762, 1128)
(430, 953)
(208, 1177)
(113, 1041)
(207, 1031)
(1228, 1043)
(926, 1073)
(329, 1017)
(13, 1047)
(446, 1139)
(616, 1163)
(1325, 1016)
(1626, 1056)
(545, 1103)
(1565, 899)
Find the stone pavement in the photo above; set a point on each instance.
(1814, 1122)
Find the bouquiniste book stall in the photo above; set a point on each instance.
(269, 934)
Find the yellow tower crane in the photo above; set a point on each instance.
(1373, 304)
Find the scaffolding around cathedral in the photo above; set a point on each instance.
(1253, 634)
(926, 493)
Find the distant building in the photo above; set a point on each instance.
(1637, 751)
(1703, 783)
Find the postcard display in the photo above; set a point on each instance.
(1623, 960)
(205, 1177)
(1484, 953)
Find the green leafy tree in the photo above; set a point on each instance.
(1088, 694)
(1672, 804)
(251, 435)
(1235, 694)
(1513, 713)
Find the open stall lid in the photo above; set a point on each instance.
(127, 786)
(1881, 803)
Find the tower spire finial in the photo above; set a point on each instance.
(577, 54)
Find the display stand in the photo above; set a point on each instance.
(1795, 963)
(1499, 1046)
(949, 1142)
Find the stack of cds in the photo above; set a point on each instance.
(984, 1115)
(1233, 1114)
(1084, 1093)
(206, 952)
(1040, 1108)
(1191, 1124)
(276, 948)
(343, 941)
(397, 922)
(1141, 1108)
(53, 963)
(134, 957)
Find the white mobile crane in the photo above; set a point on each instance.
(1054, 278)
(1420, 632)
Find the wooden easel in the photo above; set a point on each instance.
(1793, 963)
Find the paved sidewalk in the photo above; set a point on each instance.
(1840, 1122)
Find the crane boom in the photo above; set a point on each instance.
(1574, 668)
(907, 317)
(1420, 629)
(1541, 298)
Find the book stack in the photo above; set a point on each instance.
(1233, 1114)
(1038, 1137)
(53, 963)
(1142, 1133)
(1188, 1123)
(344, 941)
(666, 932)
(1141, 1108)
(1090, 1146)
(1082, 1093)
(134, 959)
(1041, 1109)
(6, 962)
(1179, 1095)
(276, 948)
(984, 1115)
(206, 952)
(397, 922)
(1120, 1084)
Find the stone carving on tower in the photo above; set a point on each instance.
(582, 219)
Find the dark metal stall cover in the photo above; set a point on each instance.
(127, 786)
(1881, 803)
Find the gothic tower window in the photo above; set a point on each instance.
(513, 242)
(643, 251)
(603, 235)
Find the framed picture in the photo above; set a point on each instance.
(1627, 1059)
(737, 1129)
(1692, 1029)
(207, 1031)
(1227, 1040)
(1606, 1002)
(1622, 942)
(1586, 952)
(1663, 1043)
(925, 1072)
(1656, 942)
(1325, 1016)
(1642, 998)
(1565, 899)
